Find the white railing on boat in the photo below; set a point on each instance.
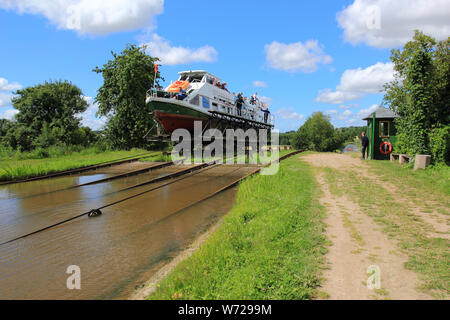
(231, 109)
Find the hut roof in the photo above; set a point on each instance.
(382, 113)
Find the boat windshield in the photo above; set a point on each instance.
(191, 78)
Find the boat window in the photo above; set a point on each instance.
(205, 102)
(195, 78)
(195, 100)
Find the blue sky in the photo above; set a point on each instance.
(302, 56)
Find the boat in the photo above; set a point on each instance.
(201, 99)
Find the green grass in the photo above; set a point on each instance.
(270, 246)
(13, 168)
(157, 158)
(432, 179)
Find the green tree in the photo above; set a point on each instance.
(287, 138)
(419, 93)
(349, 133)
(318, 134)
(5, 125)
(50, 107)
(121, 98)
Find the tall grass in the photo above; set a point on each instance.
(54, 159)
(270, 245)
(432, 179)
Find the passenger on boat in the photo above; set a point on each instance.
(254, 98)
(224, 87)
(181, 94)
(239, 102)
(266, 112)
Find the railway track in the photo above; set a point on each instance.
(171, 178)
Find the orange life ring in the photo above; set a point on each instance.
(383, 148)
(175, 87)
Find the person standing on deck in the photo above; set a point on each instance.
(239, 102)
(266, 111)
(365, 145)
(181, 94)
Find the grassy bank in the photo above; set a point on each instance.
(270, 246)
(25, 165)
(433, 178)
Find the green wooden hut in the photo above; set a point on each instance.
(380, 129)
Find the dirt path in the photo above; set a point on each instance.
(357, 244)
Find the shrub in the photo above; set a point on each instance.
(318, 134)
(439, 144)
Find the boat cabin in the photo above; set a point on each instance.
(198, 76)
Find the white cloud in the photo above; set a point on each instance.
(289, 114)
(348, 106)
(336, 97)
(388, 23)
(332, 111)
(6, 89)
(345, 115)
(92, 16)
(296, 56)
(350, 118)
(266, 100)
(161, 48)
(5, 99)
(6, 86)
(365, 112)
(89, 117)
(259, 84)
(356, 83)
(286, 119)
(9, 114)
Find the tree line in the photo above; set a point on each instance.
(419, 95)
(49, 113)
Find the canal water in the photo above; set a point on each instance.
(116, 251)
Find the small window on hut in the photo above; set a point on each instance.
(384, 129)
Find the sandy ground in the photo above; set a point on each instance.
(358, 244)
